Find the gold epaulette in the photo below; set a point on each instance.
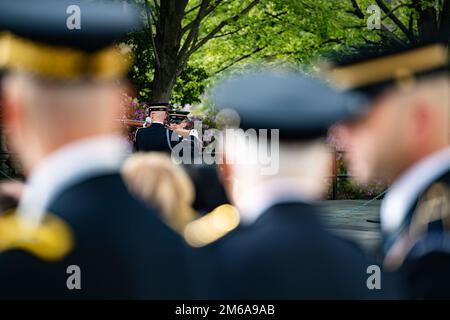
(212, 226)
(51, 240)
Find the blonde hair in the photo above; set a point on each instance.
(155, 179)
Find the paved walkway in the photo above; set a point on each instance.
(349, 218)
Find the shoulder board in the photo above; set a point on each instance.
(212, 226)
(51, 240)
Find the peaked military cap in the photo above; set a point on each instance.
(158, 106)
(67, 39)
(299, 106)
(373, 69)
(178, 115)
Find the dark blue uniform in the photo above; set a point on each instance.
(155, 138)
(161, 139)
(426, 253)
(122, 249)
(285, 254)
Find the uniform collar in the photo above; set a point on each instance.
(267, 194)
(67, 166)
(405, 190)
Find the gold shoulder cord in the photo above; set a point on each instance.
(51, 241)
(212, 226)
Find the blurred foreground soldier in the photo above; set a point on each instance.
(405, 139)
(173, 138)
(77, 233)
(280, 250)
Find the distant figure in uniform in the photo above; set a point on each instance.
(163, 136)
(178, 119)
(405, 139)
(77, 232)
(160, 183)
(157, 136)
(179, 122)
(280, 249)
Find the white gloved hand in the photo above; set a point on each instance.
(148, 120)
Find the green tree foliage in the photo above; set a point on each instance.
(216, 36)
(189, 84)
(298, 31)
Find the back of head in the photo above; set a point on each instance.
(159, 116)
(303, 165)
(282, 115)
(42, 115)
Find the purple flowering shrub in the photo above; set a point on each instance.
(132, 110)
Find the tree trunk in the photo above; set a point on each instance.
(444, 22)
(164, 80)
(427, 24)
(167, 43)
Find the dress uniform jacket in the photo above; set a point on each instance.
(122, 249)
(155, 138)
(159, 138)
(284, 254)
(420, 246)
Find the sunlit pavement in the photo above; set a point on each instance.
(349, 218)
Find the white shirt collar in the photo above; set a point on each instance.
(266, 194)
(405, 190)
(69, 165)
